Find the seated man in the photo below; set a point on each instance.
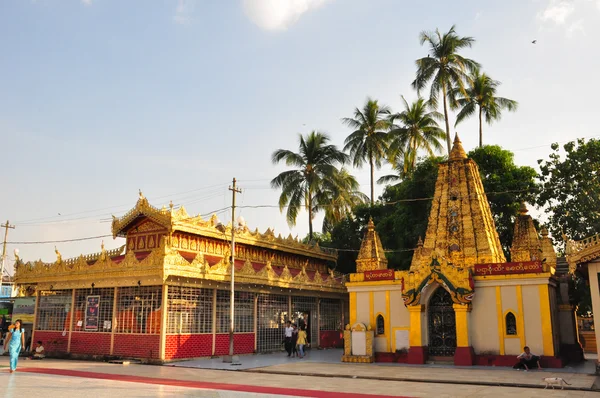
(39, 351)
(527, 360)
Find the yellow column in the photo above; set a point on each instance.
(388, 321)
(546, 321)
(163, 322)
(352, 308)
(461, 313)
(72, 309)
(415, 337)
(113, 325)
(372, 310)
(500, 319)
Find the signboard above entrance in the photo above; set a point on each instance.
(525, 267)
(379, 275)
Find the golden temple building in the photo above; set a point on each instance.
(164, 295)
(461, 301)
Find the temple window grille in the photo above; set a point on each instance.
(139, 309)
(304, 310)
(190, 310)
(511, 324)
(330, 311)
(380, 325)
(243, 311)
(104, 315)
(273, 312)
(52, 310)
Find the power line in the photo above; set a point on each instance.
(58, 241)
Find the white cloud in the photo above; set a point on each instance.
(278, 14)
(557, 11)
(183, 12)
(575, 27)
(87, 2)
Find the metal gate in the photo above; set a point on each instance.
(442, 324)
(272, 315)
(304, 311)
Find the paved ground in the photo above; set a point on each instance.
(65, 379)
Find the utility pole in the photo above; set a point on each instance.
(233, 190)
(6, 227)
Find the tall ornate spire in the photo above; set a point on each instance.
(371, 255)
(526, 242)
(457, 152)
(461, 228)
(548, 252)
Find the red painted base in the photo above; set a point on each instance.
(391, 357)
(417, 355)
(511, 360)
(464, 356)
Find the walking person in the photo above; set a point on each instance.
(301, 340)
(294, 340)
(16, 342)
(288, 338)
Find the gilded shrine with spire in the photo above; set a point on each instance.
(461, 301)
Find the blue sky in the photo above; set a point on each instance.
(100, 98)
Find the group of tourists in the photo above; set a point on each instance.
(295, 339)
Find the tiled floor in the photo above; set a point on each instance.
(26, 384)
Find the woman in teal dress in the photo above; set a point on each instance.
(16, 341)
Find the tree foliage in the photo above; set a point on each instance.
(402, 216)
(570, 189)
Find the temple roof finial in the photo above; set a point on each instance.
(457, 152)
(523, 209)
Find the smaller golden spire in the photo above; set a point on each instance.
(371, 255)
(523, 209)
(457, 152)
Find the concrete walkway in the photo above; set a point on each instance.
(326, 363)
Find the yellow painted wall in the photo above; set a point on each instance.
(379, 303)
(532, 319)
(484, 321)
(509, 298)
(363, 308)
(593, 271)
(381, 344)
(399, 313)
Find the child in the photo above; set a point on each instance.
(39, 351)
(301, 340)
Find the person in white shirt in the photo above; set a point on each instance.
(288, 337)
(39, 351)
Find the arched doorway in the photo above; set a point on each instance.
(442, 324)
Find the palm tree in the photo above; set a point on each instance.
(480, 96)
(417, 129)
(369, 140)
(315, 168)
(340, 196)
(444, 68)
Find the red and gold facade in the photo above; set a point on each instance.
(164, 294)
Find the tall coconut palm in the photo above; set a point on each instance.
(315, 167)
(480, 97)
(415, 129)
(340, 196)
(369, 140)
(444, 67)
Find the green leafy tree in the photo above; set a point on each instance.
(506, 186)
(315, 168)
(444, 68)
(402, 216)
(480, 96)
(415, 129)
(340, 194)
(369, 140)
(570, 189)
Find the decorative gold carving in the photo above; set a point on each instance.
(371, 255)
(526, 244)
(582, 251)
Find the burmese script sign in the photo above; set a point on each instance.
(379, 275)
(525, 267)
